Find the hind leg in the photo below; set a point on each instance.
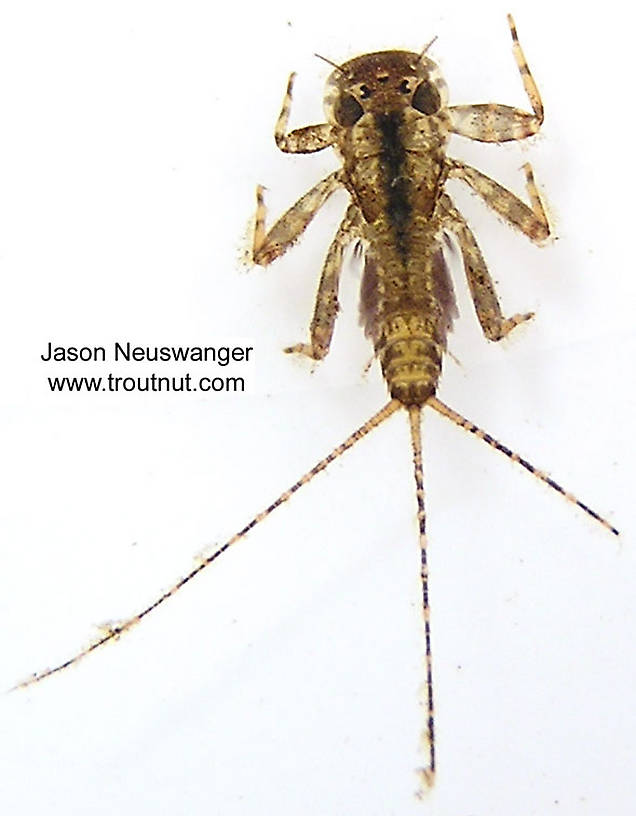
(326, 308)
(482, 290)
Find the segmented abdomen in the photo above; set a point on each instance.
(407, 308)
(395, 175)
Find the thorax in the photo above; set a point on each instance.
(394, 164)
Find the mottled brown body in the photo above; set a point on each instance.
(389, 120)
(394, 168)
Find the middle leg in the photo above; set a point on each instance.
(532, 221)
(270, 245)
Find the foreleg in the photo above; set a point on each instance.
(501, 123)
(309, 139)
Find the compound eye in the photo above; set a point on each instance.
(426, 98)
(347, 110)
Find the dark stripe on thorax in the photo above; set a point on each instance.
(392, 157)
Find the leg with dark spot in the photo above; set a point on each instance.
(493, 323)
(501, 123)
(532, 221)
(309, 139)
(268, 246)
(326, 308)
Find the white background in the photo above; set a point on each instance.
(285, 679)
